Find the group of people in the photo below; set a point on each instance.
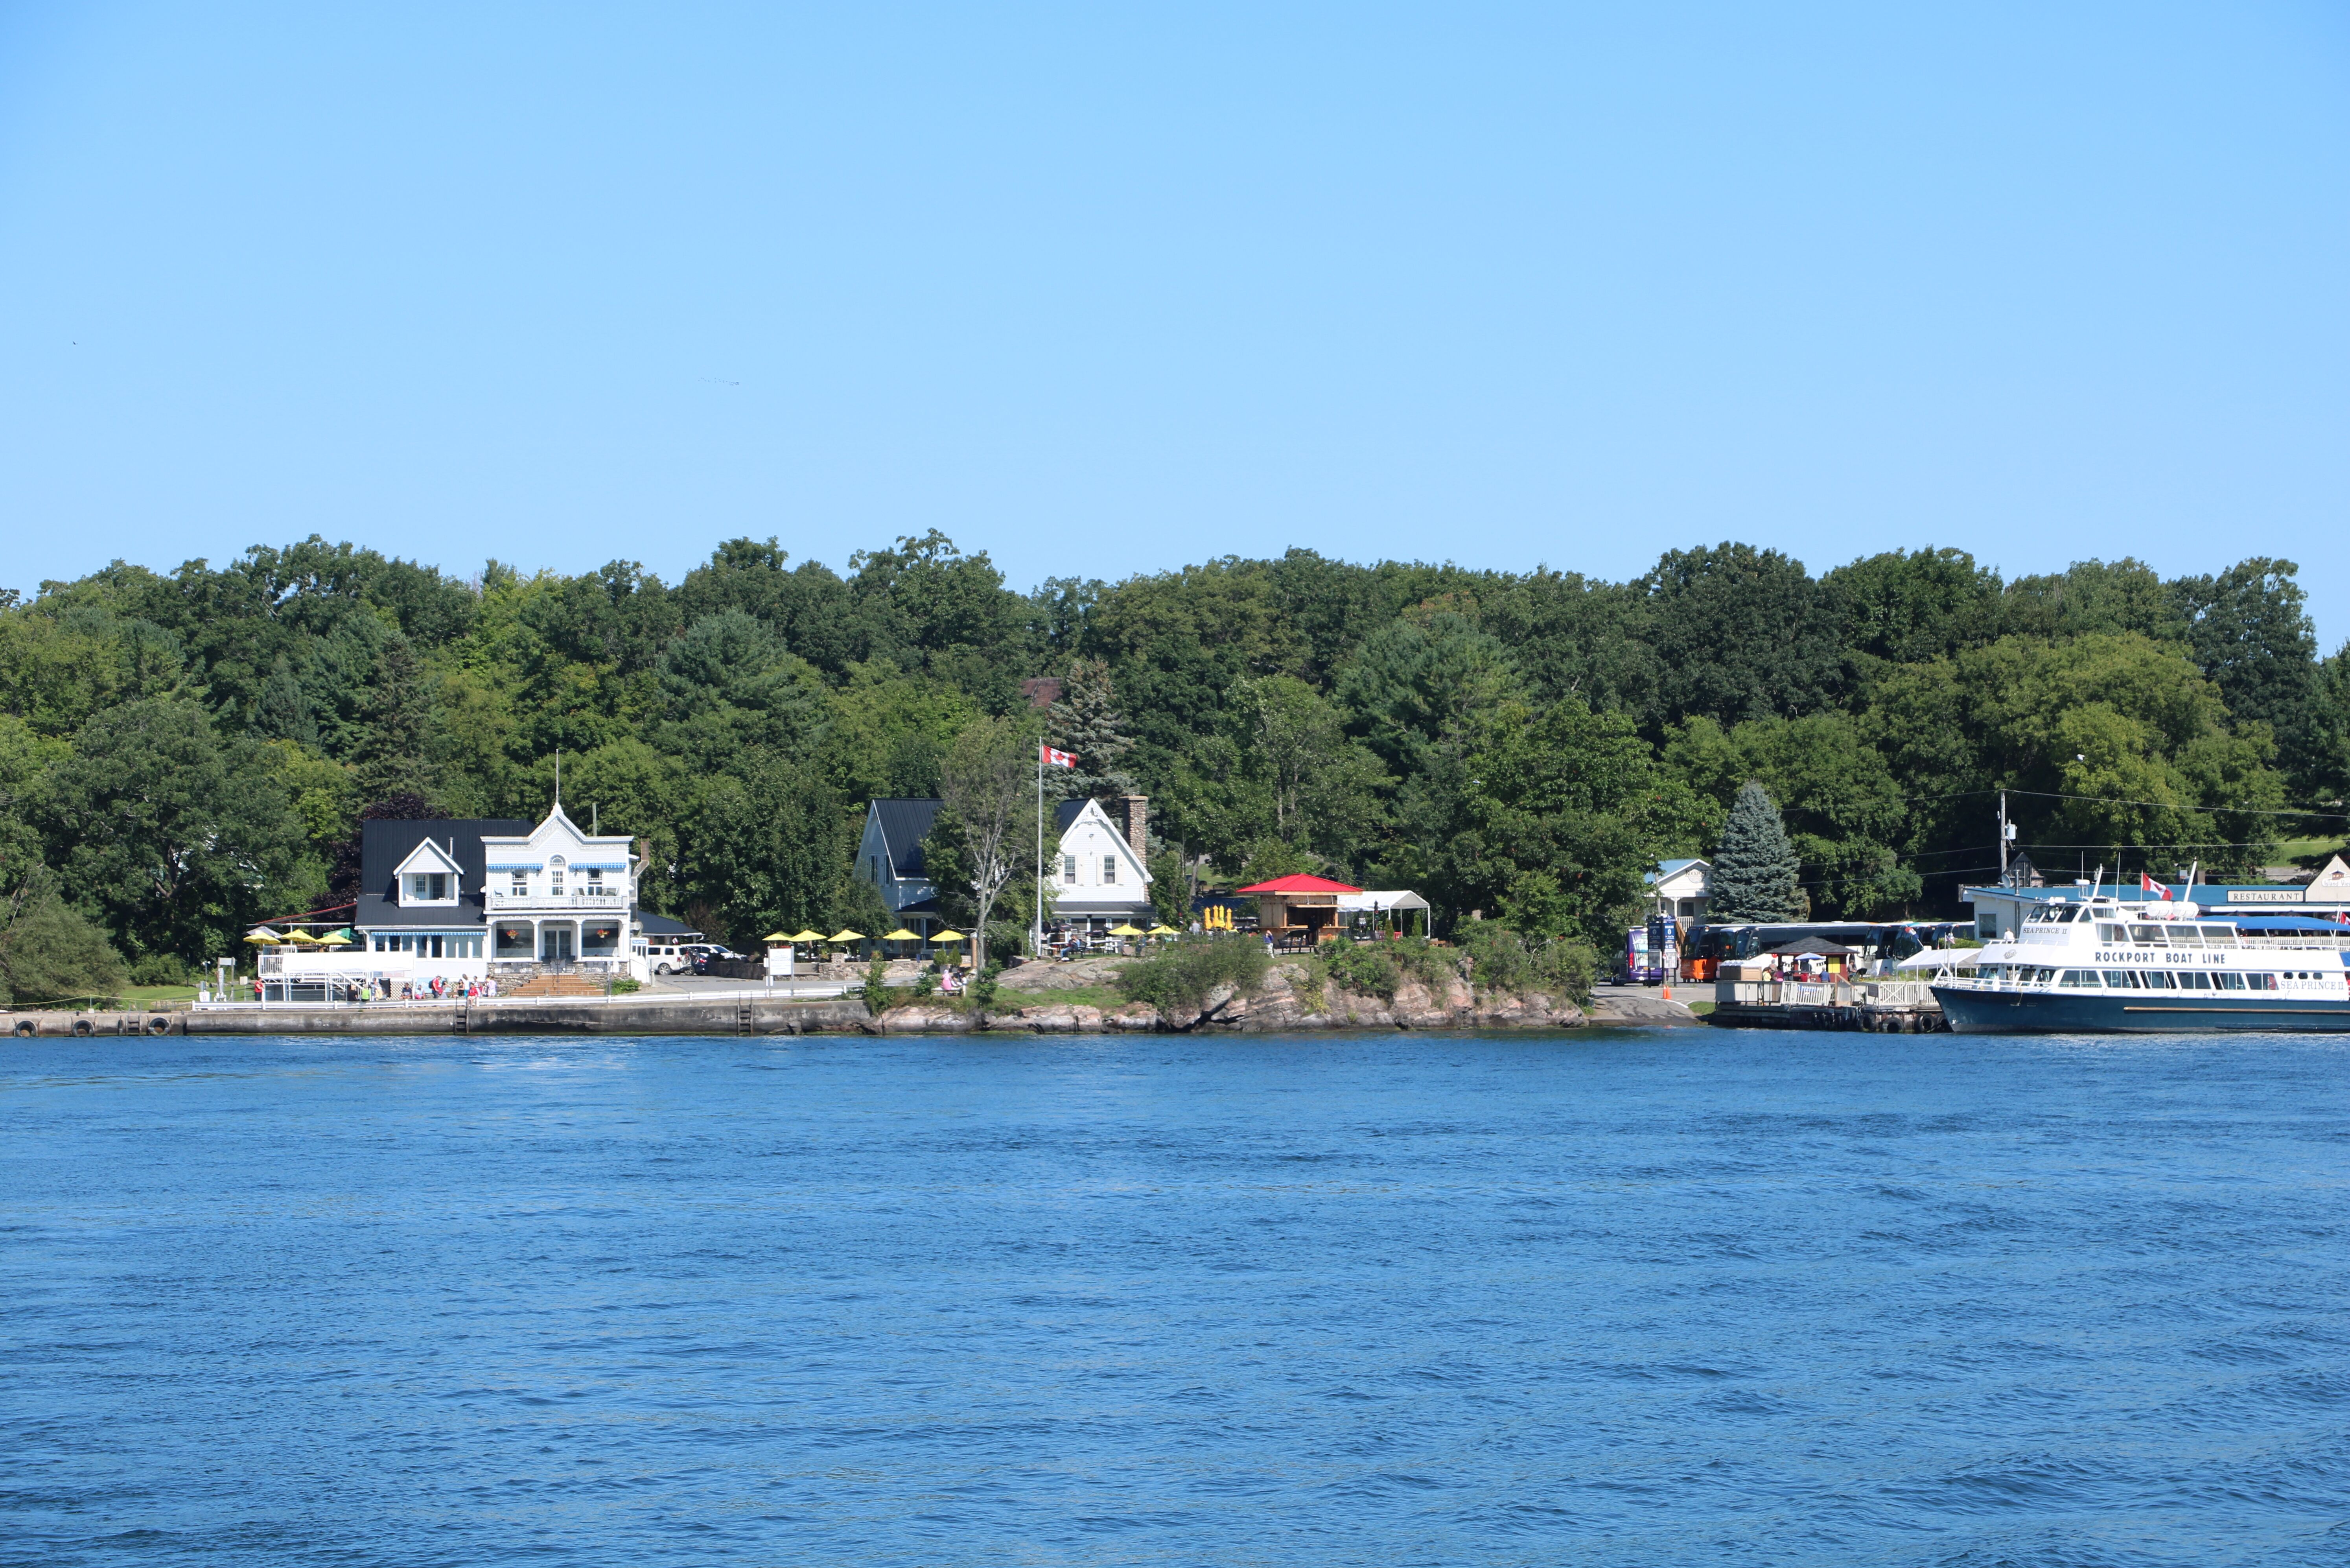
(438, 989)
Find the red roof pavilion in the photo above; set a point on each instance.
(1301, 883)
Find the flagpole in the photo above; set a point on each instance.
(1037, 934)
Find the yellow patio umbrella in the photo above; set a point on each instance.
(334, 940)
(1127, 932)
(265, 938)
(1162, 930)
(806, 936)
(949, 936)
(845, 935)
(773, 937)
(903, 935)
(302, 936)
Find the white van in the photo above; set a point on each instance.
(668, 960)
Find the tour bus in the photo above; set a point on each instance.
(1891, 940)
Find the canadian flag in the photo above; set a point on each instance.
(2147, 884)
(1053, 759)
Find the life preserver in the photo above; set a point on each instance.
(159, 1026)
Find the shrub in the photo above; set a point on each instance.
(877, 986)
(159, 969)
(1180, 978)
(52, 954)
(927, 982)
(1500, 960)
(1365, 969)
(623, 984)
(982, 985)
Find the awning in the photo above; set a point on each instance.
(1943, 958)
(1392, 899)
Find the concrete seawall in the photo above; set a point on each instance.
(717, 1015)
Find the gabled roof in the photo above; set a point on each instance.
(1067, 812)
(1301, 883)
(429, 856)
(384, 845)
(904, 824)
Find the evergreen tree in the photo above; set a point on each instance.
(1085, 721)
(1754, 868)
(390, 757)
(284, 711)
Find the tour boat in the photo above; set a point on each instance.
(2100, 965)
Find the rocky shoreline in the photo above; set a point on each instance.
(1286, 1001)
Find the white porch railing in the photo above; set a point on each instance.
(552, 903)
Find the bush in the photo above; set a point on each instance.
(877, 987)
(1365, 969)
(1180, 978)
(159, 969)
(982, 985)
(52, 954)
(623, 984)
(1500, 960)
(927, 982)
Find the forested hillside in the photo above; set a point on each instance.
(184, 753)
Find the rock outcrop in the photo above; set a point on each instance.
(1082, 974)
(1288, 1001)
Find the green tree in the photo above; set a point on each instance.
(1754, 867)
(49, 953)
(1743, 633)
(179, 838)
(1085, 721)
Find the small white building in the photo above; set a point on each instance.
(1100, 878)
(1679, 889)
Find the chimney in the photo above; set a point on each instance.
(1134, 821)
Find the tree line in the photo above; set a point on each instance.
(183, 753)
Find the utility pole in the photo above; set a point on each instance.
(2005, 833)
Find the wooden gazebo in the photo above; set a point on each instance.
(1299, 910)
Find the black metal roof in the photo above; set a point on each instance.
(654, 925)
(384, 845)
(1067, 813)
(904, 824)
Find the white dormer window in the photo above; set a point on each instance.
(427, 887)
(1109, 869)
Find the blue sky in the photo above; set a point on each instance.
(1102, 290)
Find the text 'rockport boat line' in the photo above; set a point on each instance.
(2100, 965)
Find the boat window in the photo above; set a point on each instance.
(2155, 980)
(2184, 937)
(2219, 936)
(2260, 983)
(2194, 980)
(2079, 977)
(2109, 932)
(2228, 980)
(2147, 936)
(2121, 978)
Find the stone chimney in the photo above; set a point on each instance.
(1131, 816)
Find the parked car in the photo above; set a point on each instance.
(707, 953)
(669, 959)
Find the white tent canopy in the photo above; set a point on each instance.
(1398, 899)
(1943, 958)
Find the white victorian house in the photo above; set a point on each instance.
(455, 899)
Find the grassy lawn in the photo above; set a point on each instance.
(155, 995)
(2310, 852)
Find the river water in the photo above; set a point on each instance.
(1643, 1297)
